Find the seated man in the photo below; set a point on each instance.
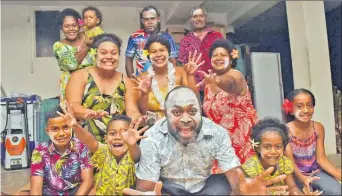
(60, 166)
(180, 151)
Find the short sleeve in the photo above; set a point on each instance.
(288, 165)
(37, 164)
(131, 47)
(148, 167)
(65, 56)
(84, 157)
(225, 155)
(99, 156)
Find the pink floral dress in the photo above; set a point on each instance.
(237, 115)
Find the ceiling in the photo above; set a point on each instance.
(177, 12)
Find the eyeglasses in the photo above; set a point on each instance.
(148, 19)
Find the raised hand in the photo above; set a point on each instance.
(68, 114)
(258, 185)
(156, 191)
(193, 63)
(132, 135)
(208, 78)
(91, 114)
(143, 82)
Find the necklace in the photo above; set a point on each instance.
(170, 85)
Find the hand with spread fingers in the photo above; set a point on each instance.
(156, 191)
(133, 135)
(209, 78)
(91, 114)
(143, 82)
(258, 185)
(309, 191)
(68, 114)
(193, 63)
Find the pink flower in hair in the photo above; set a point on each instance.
(80, 22)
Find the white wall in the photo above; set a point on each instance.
(23, 73)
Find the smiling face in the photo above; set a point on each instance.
(70, 28)
(198, 19)
(220, 60)
(114, 138)
(183, 115)
(303, 107)
(59, 132)
(90, 19)
(271, 148)
(107, 56)
(159, 54)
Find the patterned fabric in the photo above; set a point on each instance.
(61, 173)
(113, 104)
(65, 55)
(112, 177)
(253, 168)
(163, 156)
(136, 44)
(237, 115)
(153, 103)
(304, 153)
(191, 43)
(91, 33)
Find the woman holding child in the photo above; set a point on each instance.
(72, 53)
(98, 92)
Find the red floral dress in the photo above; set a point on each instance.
(237, 115)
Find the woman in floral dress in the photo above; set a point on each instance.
(71, 53)
(227, 100)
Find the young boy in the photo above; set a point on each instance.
(116, 159)
(60, 166)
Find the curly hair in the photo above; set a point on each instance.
(270, 124)
(65, 13)
(291, 95)
(227, 45)
(97, 12)
(107, 37)
(119, 117)
(159, 39)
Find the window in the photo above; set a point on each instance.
(47, 32)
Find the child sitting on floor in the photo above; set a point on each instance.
(60, 166)
(306, 147)
(269, 139)
(116, 159)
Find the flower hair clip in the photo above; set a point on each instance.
(287, 106)
(145, 53)
(80, 22)
(254, 144)
(234, 54)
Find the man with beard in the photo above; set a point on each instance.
(199, 40)
(180, 149)
(149, 24)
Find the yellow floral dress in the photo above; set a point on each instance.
(91, 33)
(113, 104)
(112, 177)
(153, 103)
(65, 55)
(253, 168)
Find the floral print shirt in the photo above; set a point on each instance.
(61, 172)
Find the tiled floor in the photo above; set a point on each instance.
(12, 181)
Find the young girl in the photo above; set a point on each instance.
(306, 147)
(269, 139)
(92, 20)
